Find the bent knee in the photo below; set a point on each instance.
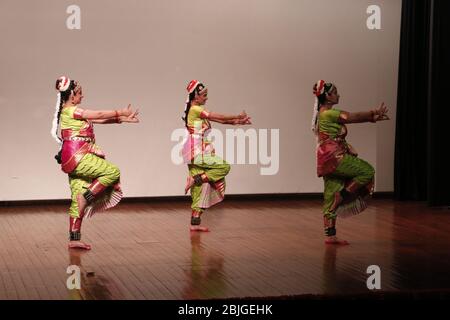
(226, 168)
(368, 175)
(114, 173)
(371, 172)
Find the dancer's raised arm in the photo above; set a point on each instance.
(132, 118)
(90, 114)
(379, 114)
(241, 118)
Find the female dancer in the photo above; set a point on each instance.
(94, 182)
(207, 171)
(347, 178)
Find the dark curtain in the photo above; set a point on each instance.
(422, 171)
(439, 108)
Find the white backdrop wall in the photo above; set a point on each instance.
(259, 55)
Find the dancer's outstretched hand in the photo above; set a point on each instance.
(380, 114)
(242, 115)
(243, 118)
(132, 117)
(246, 120)
(127, 111)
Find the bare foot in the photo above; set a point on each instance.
(199, 228)
(189, 183)
(334, 240)
(79, 245)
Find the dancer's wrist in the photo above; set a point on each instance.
(372, 116)
(117, 116)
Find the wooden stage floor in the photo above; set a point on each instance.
(255, 249)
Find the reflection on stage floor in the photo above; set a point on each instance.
(255, 249)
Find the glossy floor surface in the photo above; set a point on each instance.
(255, 249)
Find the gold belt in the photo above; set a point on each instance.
(81, 139)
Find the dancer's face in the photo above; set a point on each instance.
(77, 96)
(333, 96)
(201, 98)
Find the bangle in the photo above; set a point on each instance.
(372, 116)
(117, 117)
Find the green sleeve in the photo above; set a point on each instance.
(331, 115)
(195, 112)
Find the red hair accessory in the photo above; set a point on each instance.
(64, 83)
(319, 88)
(192, 85)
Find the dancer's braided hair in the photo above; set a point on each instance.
(65, 88)
(321, 89)
(194, 91)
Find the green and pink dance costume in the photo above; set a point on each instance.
(207, 169)
(90, 175)
(348, 180)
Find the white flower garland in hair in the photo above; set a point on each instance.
(320, 86)
(63, 84)
(186, 103)
(314, 127)
(55, 125)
